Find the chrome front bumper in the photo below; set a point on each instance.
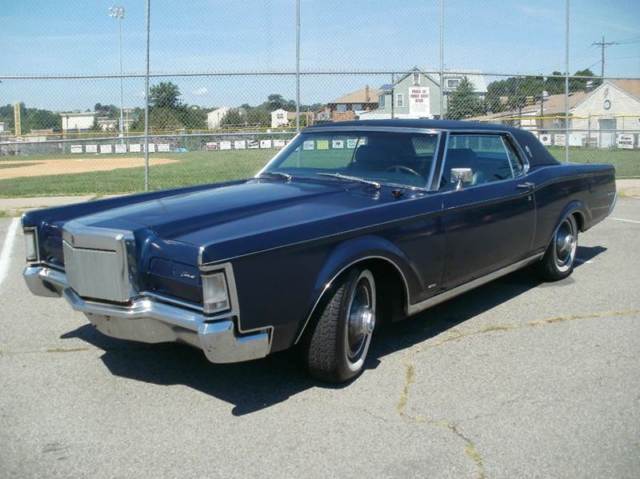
(149, 320)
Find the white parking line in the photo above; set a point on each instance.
(624, 220)
(5, 254)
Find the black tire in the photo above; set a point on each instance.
(559, 259)
(337, 348)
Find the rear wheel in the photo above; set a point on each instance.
(338, 346)
(559, 259)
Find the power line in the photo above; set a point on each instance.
(603, 45)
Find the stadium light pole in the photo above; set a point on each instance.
(118, 13)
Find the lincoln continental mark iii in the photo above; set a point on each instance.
(350, 224)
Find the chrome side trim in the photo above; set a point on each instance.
(327, 286)
(427, 303)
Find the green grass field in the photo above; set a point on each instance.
(209, 167)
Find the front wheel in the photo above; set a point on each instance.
(338, 346)
(559, 259)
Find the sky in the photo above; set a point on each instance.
(49, 37)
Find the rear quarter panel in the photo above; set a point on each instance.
(589, 189)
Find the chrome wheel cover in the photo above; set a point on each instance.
(565, 243)
(361, 320)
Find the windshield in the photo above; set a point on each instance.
(385, 157)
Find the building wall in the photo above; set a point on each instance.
(623, 111)
(279, 118)
(215, 117)
(402, 88)
(77, 122)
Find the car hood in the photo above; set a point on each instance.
(230, 212)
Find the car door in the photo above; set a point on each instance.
(489, 221)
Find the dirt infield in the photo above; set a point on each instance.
(21, 169)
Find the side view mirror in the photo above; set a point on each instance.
(459, 176)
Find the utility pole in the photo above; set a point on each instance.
(603, 45)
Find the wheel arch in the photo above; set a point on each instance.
(389, 265)
(576, 209)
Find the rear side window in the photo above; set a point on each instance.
(487, 156)
(514, 157)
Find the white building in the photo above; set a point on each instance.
(74, 121)
(604, 117)
(1, 126)
(215, 117)
(279, 118)
(610, 110)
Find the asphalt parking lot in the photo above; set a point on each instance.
(515, 379)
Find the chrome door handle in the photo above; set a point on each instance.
(527, 185)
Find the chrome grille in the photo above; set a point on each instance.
(96, 263)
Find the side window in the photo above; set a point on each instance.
(485, 155)
(516, 162)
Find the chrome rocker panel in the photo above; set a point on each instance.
(148, 320)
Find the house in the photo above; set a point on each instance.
(77, 121)
(215, 117)
(417, 95)
(1, 126)
(596, 118)
(350, 106)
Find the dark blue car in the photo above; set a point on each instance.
(350, 224)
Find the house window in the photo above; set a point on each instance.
(381, 101)
(280, 116)
(356, 107)
(416, 78)
(341, 108)
(453, 82)
(399, 99)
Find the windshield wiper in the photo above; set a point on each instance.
(278, 174)
(375, 184)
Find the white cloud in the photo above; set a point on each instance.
(202, 91)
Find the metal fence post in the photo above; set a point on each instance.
(146, 104)
(393, 95)
(298, 66)
(566, 87)
(441, 59)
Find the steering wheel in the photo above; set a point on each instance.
(406, 169)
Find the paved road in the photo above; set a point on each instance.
(516, 379)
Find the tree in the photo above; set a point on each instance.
(165, 95)
(233, 118)
(463, 102)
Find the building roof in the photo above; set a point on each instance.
(628, 85)
(553, 105)
(364, 95)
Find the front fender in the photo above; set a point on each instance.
(357, 250)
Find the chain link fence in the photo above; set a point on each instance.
(213, 119)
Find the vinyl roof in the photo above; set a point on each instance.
(415, 123)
